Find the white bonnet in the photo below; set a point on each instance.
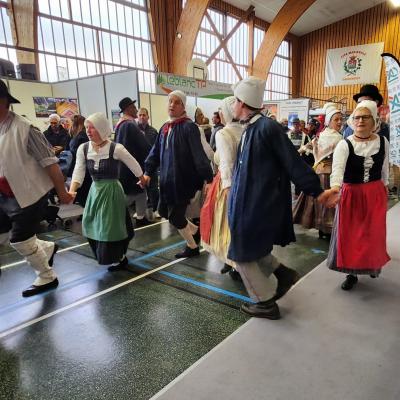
(180, 94)
(227, 108)
(100, 122)
(372, 107)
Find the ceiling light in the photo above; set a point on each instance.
(396, 3)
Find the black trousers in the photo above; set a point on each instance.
(153, 193)
(23, 222)
(174, 213)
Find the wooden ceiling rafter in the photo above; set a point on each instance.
(224, 47)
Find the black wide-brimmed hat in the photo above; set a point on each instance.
(370, 91)
(125, 103)
(5, 93)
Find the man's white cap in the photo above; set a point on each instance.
(100, 122)
(180, 94)
(251, 91)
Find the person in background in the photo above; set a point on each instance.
(28, 171)
(307, 211)
(285, 124)
(106, 222)
(56, 135)
(359, 186)
(66, 123)
(184, 167)
(303, 127)
(150, 135)
(129, 135)
(296, 134)
(217, 125)
(260, 205)
(369, 92)
(79, 136)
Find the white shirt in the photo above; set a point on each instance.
(120, 153)
(364, 149)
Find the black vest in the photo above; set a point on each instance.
(108, 168)
(355, 171)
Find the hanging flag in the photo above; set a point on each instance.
(393, 84)
(353, 65)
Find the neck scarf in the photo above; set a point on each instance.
(173, 122)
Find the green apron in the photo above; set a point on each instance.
(105, 212)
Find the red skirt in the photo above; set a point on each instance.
(361, 230)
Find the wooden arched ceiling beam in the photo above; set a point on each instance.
(185, 39)
(287, 16)
(23, 21)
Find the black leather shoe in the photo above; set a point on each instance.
(235, 275)
(52, 256)
(266, 309)
(122, 265)
(197, 237)
(225, 269)
(142, 222)
(287, 277)
(32, 290)
(350, 281)
(188, 252)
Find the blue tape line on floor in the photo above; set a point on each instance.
(318, 251)
(197, 283)
(89, 277)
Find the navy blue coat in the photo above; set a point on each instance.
(128, 134)
(260, 202)
(184, 165)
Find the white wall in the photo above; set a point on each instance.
(91, 96)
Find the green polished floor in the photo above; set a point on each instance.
(120, 335)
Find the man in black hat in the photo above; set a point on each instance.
(128, 134)
(369, 92)
(28, 171)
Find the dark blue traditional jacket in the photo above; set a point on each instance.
(184, 165)
(128, 134)
(260, 202)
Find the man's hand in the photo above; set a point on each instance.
(58, 149)
(65, 197)
(329, 198)
(144, 181)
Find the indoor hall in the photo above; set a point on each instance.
(166, 327)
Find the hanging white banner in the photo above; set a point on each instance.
(353, 65)
(393, 84)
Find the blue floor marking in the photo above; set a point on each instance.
(318, 251)
(199, 284)
(85, 278)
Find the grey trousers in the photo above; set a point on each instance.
(140, 201)
(258, 277)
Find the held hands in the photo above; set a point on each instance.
(66, 197)
(329, 198)
(144, 181)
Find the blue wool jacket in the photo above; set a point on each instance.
(183, 163)
(260, 203)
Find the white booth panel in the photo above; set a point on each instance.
(91, 96)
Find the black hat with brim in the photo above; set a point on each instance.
(125, 103)
(369, 91)
(5, 93)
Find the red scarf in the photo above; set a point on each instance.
(171, 124)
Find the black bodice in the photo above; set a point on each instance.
(355, 171)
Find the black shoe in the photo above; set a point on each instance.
(266, 309)
(188, 252)
(350, 281)
(142, 222)
(32, 290)
(52, 256)
(119, 267)
(226, 268)
(197, 237)
(235, 275)
(374, 276)
(287, 277)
